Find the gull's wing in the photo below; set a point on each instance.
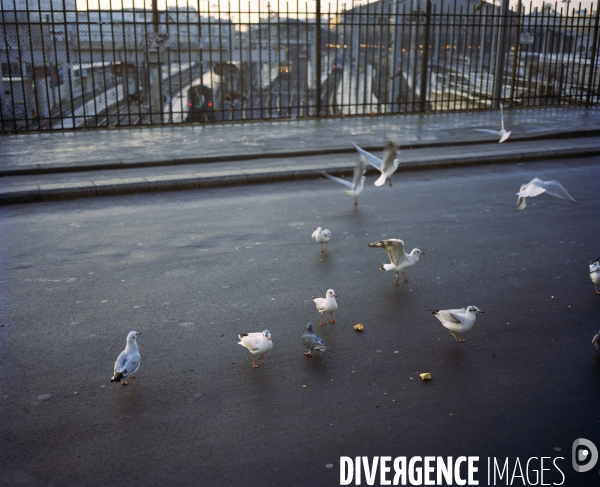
(337, 180)
(370, 158)
(532, 188)
(359, 170)
(127, 363)
(251, 341)
(120, 362)
(319, 303)
(451, 315)
(554, 188)
(395, 249)
(389, 156)
(503, 135)
(489, 131)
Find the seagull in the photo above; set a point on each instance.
(595, 273)
(387, 166)
(596, 342)
(502, 133)
(358, 179)
(257, 343)
(457, 319)
(128, 361)
(322, 236)
(327, 305)
(311, 341)
(400, 260)
(537, 186)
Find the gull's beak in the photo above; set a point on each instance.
(337, 295)
(139, 332)
(481, 311)
(422, 253)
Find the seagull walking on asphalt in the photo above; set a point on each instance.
(128, 361)
(457, 320)
(595, 273)
(502, 132)
(387, 166)
(400, 260)
(326, 305)
(358, 179)
(537, 186)
(322, 237)
(312, 342)
(257, 343)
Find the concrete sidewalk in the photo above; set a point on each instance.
(45, 166)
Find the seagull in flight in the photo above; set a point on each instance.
(387, 166)
(358, 179)
(457, 320)
(502, 132)
(400, 260)
(537, 186)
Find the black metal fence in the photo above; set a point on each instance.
(68, 68)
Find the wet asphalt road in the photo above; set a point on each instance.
(192, 269)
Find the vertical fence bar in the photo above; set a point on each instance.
(318, 57)
(307, 52)
(425, 57)
(22, 66)
(21, 50)
(593, 57)
(500, 53)
(233, 74)
(513, 76)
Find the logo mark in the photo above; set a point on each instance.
(588, 451)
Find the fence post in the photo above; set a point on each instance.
(594, 54)
(155, 94)
(425, 57)
(318, 59)
(499, 67)
(516, 54)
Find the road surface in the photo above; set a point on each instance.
(192, 269)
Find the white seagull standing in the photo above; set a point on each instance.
(537, 186)
(326, 305)
(457, 320)
(400, 260)
(258, 343)
(358, 179)
(595, 273)
(311, 341)
(322, 236)
(128, 361)
(387, 166)
(502, 133)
